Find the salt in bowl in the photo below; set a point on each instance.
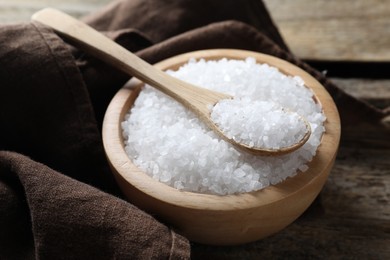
(230, 219)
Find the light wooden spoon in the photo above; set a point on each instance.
(197, 99)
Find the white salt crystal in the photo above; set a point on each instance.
(303, 168)
(249, 121)
(172, 145)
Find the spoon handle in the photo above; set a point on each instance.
(95, 43)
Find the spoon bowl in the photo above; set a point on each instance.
(197, 99)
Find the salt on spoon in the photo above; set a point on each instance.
(259, 123)
(198, 100)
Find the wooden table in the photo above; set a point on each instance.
(351, 217)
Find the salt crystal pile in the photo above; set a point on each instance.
(172, 145)
(259, 124)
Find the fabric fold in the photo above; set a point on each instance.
(46, 112)
(72, 220)
(162, 19)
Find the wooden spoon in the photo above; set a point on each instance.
(197, 99)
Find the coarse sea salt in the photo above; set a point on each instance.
(258, 124)
(172, 145)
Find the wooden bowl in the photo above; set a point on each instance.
(213, 219)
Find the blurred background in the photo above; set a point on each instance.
(313, 29)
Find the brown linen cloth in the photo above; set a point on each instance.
(58, 199)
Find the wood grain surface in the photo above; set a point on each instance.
(21, 10)
(334, 29)
(351, 217)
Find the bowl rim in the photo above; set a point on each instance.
(320, 164)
